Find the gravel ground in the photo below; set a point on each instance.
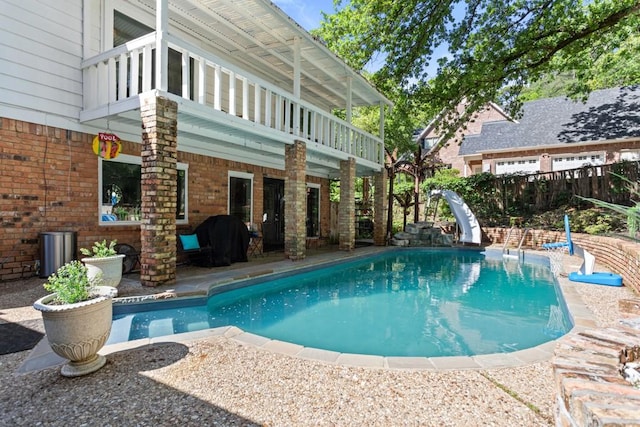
(218, 381)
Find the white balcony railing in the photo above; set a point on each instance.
(194, 74)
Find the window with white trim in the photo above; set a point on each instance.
(241, 196)
(120, 190)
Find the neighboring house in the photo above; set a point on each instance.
(222, 107)
(446, 152)
(558, 134)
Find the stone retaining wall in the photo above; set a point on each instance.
(591, 390)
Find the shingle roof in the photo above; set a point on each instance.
(608, 114)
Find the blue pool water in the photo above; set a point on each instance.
(399, 303)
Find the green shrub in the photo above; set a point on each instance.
(100, 249)
(70, 283)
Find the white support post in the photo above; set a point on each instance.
(162, 48)
(186, 75)
(245, 98)
(296, 87)
(305, 123)
(202, 81)
(232, 93)
(135, 72)
(146, 68)
(111, 82)
(267, 109)
(257, 103)
(217, 85)
(278, 112)
(314, 126)
(102, 75)
(122, 76)
(287, 116)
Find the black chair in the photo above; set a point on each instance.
(197, 253)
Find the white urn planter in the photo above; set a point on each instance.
(110, 267)
(78, 331)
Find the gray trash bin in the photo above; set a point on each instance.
(56, 249)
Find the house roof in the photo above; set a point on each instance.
(258, 36)
(608, 114)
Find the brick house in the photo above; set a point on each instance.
(552, 134)
(219, 107)
(448, 152)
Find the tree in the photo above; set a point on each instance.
(613, 64)
(496, 47)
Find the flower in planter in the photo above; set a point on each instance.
(100, 249)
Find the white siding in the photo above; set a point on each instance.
(40, 55)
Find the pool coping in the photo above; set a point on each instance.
(42, 357)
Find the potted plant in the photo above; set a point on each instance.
(102, 259)
(121, 212)
(77, 318)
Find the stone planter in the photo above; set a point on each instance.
(78, 331)
(110, 267)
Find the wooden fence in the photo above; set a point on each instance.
(548, 190)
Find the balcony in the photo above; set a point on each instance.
(223, 110)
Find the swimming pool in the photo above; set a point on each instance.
(402, 302)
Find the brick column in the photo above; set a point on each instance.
(380, 208)
(295, 196)
(159, 191)
(347, 208)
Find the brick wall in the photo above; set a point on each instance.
(448, 153)
(619, 256)
(49, 182)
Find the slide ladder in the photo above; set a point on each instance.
(519, 253)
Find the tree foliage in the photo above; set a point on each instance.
(496, 47)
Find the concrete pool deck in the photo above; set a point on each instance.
(198, 282)
(215, 380)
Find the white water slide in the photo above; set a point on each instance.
(471, 232)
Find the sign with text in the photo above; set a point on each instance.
(107, 145)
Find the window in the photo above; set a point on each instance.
(313, 210)
(121, 191)
(240, 196)
(126, 29)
